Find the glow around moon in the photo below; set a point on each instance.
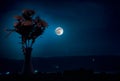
(59, 31)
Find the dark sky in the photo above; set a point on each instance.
(90, 27)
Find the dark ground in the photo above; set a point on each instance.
(72, 68)
(97, 63)
(73, 75)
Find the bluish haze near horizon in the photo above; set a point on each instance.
(90, 28)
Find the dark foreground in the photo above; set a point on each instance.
(76, 75)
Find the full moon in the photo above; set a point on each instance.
(59, 31)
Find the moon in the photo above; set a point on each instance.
(59, 31)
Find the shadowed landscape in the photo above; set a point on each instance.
(64, 68)
(53, 64)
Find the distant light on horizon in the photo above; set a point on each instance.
(35, 71)
(7, 73)
(93, 59)
(57, 67)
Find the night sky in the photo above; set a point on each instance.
(90, 28)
